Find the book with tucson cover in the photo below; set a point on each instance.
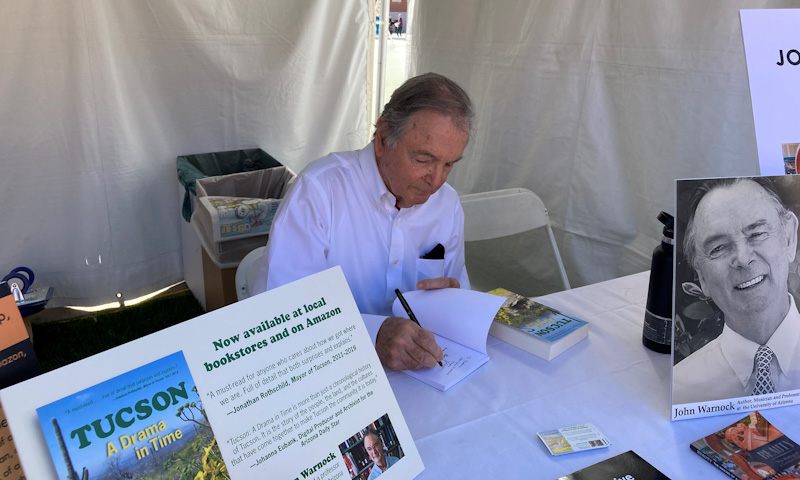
(534, 327)
(751, 448)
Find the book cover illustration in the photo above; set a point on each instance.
(751, 448)
(626, 465)
(146, 423)
(534, 318)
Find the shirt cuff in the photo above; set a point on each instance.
(373, 324)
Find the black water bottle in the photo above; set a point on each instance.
(657, 332)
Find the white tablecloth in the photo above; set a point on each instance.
(485, 426)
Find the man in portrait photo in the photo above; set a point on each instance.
(739, 240)
(380, 461)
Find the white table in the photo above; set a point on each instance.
(485, 426)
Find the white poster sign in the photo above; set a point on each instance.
(288, 381)
(736, 335)
(772, 50)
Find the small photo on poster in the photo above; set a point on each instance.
(146, 423)
(791, 157)
(736, 343)
(372, 450)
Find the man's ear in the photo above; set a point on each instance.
(702, 282)
(790, 229)
(380, 137)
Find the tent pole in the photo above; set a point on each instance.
(382, 44)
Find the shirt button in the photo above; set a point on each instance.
(395, 262)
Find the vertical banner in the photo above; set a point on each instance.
(17, 358)
(772, 51)
(17, 363)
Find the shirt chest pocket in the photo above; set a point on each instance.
(428, 268)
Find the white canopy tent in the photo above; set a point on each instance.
(594, 105)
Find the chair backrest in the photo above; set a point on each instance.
(502, 213)
(246, 272)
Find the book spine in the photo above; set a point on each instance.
(712, 462)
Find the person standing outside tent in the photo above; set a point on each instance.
(399, 27)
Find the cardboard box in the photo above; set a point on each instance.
(219, 284)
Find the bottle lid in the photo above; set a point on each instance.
(669, 224)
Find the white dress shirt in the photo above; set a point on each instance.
(724, 368)
(339, 212)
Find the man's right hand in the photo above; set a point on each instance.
(403, 345)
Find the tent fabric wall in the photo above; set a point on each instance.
(597, 106)
(99, 97)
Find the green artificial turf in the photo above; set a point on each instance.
(61, 343)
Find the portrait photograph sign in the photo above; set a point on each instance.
(736, 329)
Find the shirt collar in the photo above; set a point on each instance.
(740, 352)
(379, 193)
(784, 340)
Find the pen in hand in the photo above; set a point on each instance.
(409, 312)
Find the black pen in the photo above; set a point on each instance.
(408, 311)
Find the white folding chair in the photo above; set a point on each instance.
(502, 213)
(246, 272)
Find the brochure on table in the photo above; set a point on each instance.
(772, 51)
(284, 378)
(744, 274)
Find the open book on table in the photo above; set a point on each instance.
(460, 320)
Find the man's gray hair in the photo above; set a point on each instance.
(429, 91)
(714, 184)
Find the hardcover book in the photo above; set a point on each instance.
(751, 448)
(535, 328)
(146, 423)
(625, 466)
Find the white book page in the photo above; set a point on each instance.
(463, 316)
(459, 361)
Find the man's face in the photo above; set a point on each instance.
(743, 256)
(418, 165)
(374, 448)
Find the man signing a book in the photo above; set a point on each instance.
(384, 214)
(741, 239)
